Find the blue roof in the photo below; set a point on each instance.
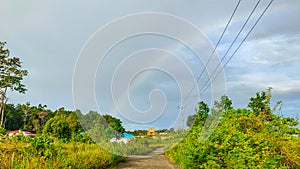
(127, 135)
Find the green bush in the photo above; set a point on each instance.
(2, 131)
(83, 138)
(43, 146)
(240, 141)
(254, 138)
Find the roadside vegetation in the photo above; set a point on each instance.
(43, 152)
(254, 137)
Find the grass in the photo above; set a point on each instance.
(21, 154)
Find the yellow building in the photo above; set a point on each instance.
(151, 132)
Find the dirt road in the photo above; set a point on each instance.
(154, 160)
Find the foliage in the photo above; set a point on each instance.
(89, 120)
(224, 104)
(26, 117)
(63, 124)
(83, 138)
(73, 123)
(191, 120)
(57, 127)
(261, 103)
(2, 131)
(255, 138)
(13, 118)
(200, 116)
(43, 146)
(115, 124)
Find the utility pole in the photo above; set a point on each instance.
(182, 114)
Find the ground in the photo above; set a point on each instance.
(154, 160)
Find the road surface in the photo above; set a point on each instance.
(154, 160)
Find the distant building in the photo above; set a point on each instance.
(24, 132)
(127, 135)
(151, 132)
(123, 140)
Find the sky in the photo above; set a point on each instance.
(144, 78)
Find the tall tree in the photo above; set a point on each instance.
(11, 76)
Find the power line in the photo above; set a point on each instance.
(232, 43)
(210, 82)
(210, 56)
(247, 35)
(261, 15)
(247, 20)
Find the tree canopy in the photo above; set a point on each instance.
(115, 124)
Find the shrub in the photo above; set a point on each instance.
(243, 139)
(2, 131)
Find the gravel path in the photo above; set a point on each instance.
(154, 160)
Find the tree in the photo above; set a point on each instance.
(11, 76)
(115, 124)
(191, 119)
(13, 117)
(224, 104)
(200, 115)
(89, 120)
(42, 115)
(26, 111)
(74, 123)
(57, 127)
(261, 103)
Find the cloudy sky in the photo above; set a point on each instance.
(49, 37)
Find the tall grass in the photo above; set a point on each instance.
(142, 146)
(22, 153)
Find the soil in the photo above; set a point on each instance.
(154, 160)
